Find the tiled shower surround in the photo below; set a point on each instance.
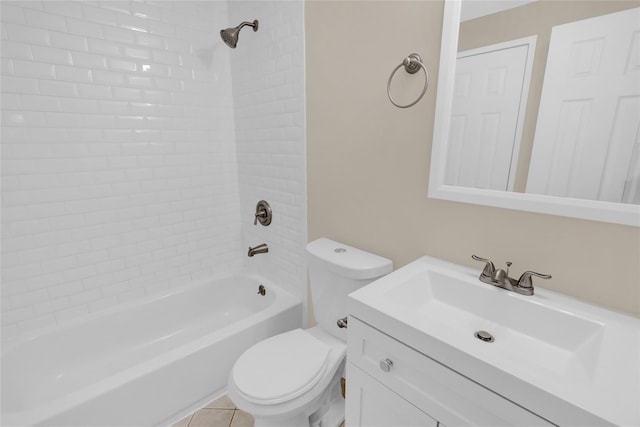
(135, 145)
(268, 91)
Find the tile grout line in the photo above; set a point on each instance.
(190, 418)
(232, 417)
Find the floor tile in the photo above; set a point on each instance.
(242, 419)
(183, 422)
(221, 403)
(212, 418)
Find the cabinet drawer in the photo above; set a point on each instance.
(447, 396)
(371, 404)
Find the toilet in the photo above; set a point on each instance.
(293, 379)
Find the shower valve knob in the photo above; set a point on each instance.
(263, 213)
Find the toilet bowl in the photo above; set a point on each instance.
(293, 379)
(288, 378)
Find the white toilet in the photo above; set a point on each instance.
(293, 379)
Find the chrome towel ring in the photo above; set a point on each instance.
(412, 64)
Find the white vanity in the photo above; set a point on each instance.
(414, 358)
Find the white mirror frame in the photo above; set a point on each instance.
(617, 213)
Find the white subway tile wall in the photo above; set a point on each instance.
(268, 89)
(119, 169)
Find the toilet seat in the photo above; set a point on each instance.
(281, 368)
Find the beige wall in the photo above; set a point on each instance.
(368, 165)
(533, 19)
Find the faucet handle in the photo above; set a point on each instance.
(489, 268)
(262, 213)
(525, 280)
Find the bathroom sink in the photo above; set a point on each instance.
(523, 330)
(530, 347)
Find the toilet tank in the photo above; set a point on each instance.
(336, 270)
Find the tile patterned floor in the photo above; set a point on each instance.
(219, 413)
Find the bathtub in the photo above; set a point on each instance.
(143, 363)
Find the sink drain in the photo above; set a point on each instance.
(484, 336)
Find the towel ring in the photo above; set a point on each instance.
(412, 64)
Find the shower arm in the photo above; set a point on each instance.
(253, 25)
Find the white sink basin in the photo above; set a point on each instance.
(524, 330)
(543, 345)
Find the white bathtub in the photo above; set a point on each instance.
(145, 363)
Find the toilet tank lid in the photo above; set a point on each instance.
(348, 261)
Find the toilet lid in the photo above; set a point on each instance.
(280, 368)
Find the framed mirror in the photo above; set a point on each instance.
(566, 139)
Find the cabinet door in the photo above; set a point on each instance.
(370, 404)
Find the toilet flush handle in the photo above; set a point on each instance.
(342, 323)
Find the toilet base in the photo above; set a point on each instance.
(329, 414)
(298, 421)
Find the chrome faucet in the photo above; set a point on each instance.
(500, 278)
(260, 249)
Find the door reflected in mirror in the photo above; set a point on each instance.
(539, 107)
(575, 133)
(489, 100)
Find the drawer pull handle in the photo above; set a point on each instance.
(386, 365)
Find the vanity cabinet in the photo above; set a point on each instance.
(465, 353)
(392, 384)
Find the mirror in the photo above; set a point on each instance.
(550, 160)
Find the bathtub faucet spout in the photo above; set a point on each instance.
(260, 249)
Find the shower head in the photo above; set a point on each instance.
(230, 35)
